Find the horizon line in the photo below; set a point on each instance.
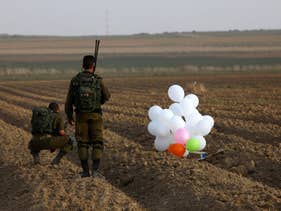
(142, 33)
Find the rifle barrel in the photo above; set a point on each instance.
(97, 45)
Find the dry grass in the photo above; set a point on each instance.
(196, 88)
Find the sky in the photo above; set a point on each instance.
(92, 17)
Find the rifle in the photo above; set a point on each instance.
(97, 46)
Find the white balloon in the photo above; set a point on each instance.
(176, 93)
(196, 112)
(210, 120)
(154, 112)
(176, 122)
(164, 122)
(152, 128)
(202, 142)
(162, 143)
(162, 129)
(195, 117)
(187, 107)
(190, 129)
(166, 115)
(176, 109)
(194, 99)
(157, 128)
(203, 127)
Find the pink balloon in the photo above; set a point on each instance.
(181, 136)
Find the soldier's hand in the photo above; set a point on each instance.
(71, 122)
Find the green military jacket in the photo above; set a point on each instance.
(69, 104)
(58, 124)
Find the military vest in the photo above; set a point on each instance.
(87, 92)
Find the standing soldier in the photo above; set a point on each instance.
(87, 93)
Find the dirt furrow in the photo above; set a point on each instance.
(25, 94)
(21, 101)
(258, 132)
(48, 187)
(245, 176)
(243, 156)
(185, 179)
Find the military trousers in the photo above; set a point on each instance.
(89, 132)
(49, 142)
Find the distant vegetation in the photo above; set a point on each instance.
(167, 53)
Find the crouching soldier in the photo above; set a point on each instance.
(87, 93)
(48, 130)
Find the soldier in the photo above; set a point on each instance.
(87, 93)
(48, 133)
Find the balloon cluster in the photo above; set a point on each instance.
(180, 129)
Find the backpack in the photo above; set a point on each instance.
(87, 92)
(42, 121)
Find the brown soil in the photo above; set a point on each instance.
(246, 176)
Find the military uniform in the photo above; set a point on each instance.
(89, 122)
(51, 141)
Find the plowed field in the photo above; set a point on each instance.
(245, 176)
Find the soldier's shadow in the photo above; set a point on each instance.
(133, 131)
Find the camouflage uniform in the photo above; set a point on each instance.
(88, 125)
(51, 141)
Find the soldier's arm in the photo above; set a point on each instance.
(105, 93)
(69, 103)
(60, 126)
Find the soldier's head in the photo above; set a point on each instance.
(88, 63)
(54, 107)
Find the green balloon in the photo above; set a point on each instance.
(193, 145)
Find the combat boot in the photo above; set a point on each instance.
(58, 158)
(36, 159)
(85, 167)
(98, 174)
(95, 170)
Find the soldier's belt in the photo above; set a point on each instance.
(37, 136)
(98, 110)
